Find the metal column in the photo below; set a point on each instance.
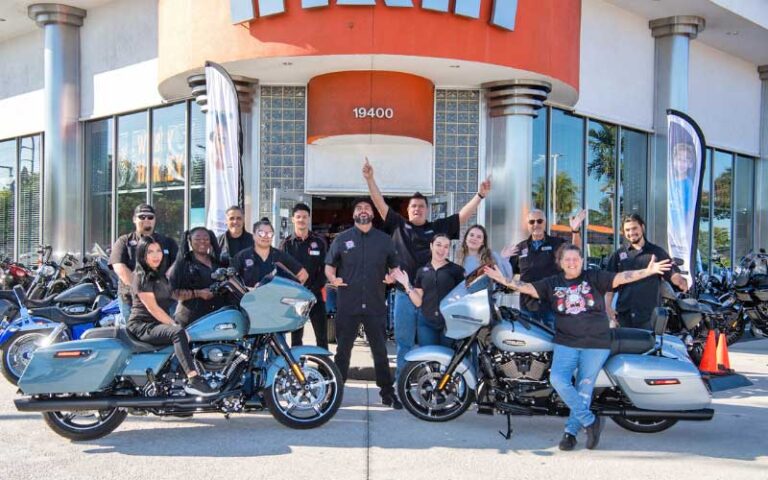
(761, 168)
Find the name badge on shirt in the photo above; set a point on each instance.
(132, 243)
(248, 262)
(622, 255)
(314, 253)
(165, 251)
(313, 245)
(408, 226)
(546, 248)
(349, 244)
(524, 253)
(429, 232)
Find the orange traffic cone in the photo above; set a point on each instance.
(709, 358)
(723, 363)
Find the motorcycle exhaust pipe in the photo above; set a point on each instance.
(69, 404)
(703, 414)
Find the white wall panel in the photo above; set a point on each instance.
(21, 85)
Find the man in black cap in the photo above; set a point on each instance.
(123, 256)
(236, 238)
(309, 249)
(359, 264)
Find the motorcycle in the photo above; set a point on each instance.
(14, 273)
(647, 385)
(86, 388)
(750, 286)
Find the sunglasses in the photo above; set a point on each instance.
(538, 220)
(264, 234)
(145, 217)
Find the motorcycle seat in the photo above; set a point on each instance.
(689, 305)
(56, 314)
(121, 333)
(631, 340)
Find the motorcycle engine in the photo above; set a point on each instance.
(523, 366)
(213, 357)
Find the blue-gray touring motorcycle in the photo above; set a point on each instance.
(502, 359)
(86, 388)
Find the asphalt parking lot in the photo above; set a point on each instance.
(368, 441)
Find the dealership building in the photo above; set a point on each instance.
(561, 102)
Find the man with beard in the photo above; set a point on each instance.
(358, 264)
(123, 256)
(637, 300)
(235, 239)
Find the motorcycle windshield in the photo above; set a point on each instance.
(467, 307)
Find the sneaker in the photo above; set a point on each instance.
(392, 401)
(593, 433)
(198, 386)
(568, 442)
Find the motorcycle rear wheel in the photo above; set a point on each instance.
(415, 388)
(18, 353)
(644, 425)
(85, 425)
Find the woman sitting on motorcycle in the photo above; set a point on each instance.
(149, 320)
(433, 281)
(582, 337)
(255, 263)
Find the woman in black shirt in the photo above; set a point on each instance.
(433, 282)
(582, 331)
(149, 320)
(255, 263)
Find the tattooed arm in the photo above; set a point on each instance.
(654, 268)
(522, 287)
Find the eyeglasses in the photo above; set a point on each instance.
(145, 217)
(264, 234)
(538, 220)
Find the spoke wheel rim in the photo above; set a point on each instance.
(20, 353)
(305, 404)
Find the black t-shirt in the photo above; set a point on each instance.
(643, 295)
(362, 260)
(152, 282)
(436, 284)
(310, 253)
(579, 306)
(188, 273)
(124, 251)
(232, 246)
(535, 261)
(252, 268)
(412, 242)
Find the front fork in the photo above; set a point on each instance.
(278, 343)
(458, 357)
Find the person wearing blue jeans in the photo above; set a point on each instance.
(582, 331)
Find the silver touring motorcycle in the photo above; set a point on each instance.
(502, 360)
(86, 388)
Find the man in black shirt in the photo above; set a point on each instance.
(412, 238)
(637, 300)
(535, 258)
(358, 264)
(122, 259)
(309, 249)
(235, 239)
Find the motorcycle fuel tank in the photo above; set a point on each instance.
(221, 325)
(514, 337)
(84, 293)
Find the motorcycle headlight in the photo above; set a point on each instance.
(46, 270)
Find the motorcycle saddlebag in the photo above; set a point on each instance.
(691, 319)
(639, 377)
(74, 367)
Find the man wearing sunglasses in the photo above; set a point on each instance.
(123, 256)
(534, 259)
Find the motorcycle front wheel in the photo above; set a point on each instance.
(18, 353)
(644, 425)
(417, 388)
(85, 425)
(310, 405)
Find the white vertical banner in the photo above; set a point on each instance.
(223, 147)
(685, 173)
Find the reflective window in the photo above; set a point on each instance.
(566, 170)
(169, 137)
(722, 172)
(98, 161)
(197, 168)
(633, 162)
(132, 167)
(601, 190)
(539, 169)
(743, 220)
(7, 197)
(705, 221)
(30, 160)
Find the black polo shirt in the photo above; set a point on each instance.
(362, 260)
(124, 251)
(535, 264)
(310, 253)
(436, 284)
(148, 282)
(232, 246)
(188, 273)
(412, 242)
(252, 268)
(644, 295)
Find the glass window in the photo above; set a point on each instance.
(721, 208)
(539, 170)
(98, 158)
(743, 221)
(197, 167)
(169, 137)
(132, 157)
(634, 168)
(705, 221)
(30, 160)
(601, 190)
(566, 170)
(7, 197)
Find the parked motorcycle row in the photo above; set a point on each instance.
(75, 362)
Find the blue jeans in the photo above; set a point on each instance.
(406, 319)
(429, 335)
(547, 316)
(588, 362)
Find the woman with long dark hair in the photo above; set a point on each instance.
(149, 320)
(475, 252)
